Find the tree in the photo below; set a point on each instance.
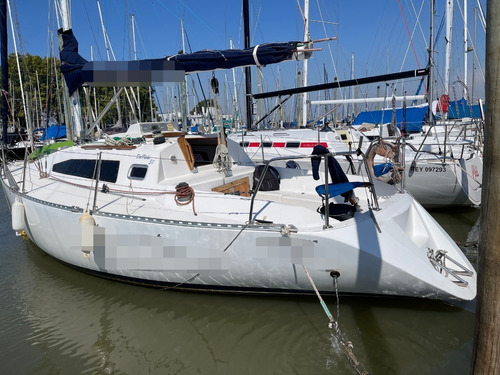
(202, 104)
(43, 89)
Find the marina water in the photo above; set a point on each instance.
(55, 320)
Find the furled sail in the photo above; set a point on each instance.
(78, 71)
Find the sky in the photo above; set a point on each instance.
(373, 36)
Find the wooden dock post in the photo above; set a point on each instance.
(486, 353)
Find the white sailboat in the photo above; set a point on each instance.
(442, 166)
(166, 209)
(159, 213)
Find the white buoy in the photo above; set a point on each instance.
(88, 224)
(18, 216)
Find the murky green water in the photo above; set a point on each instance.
(55, 320)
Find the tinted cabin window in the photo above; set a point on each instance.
(138, 172)
(85, 168)
(203, 150)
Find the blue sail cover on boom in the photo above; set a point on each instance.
(411, 121)
(78, 71)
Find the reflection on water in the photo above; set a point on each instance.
(56, 320)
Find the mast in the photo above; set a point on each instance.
(305, 63)
(351, 108)
(259, 91)
(73, 132)
(5, 67)
(449, 33)
(184, 86)
(248, 72)
(466, 48)
(431, 64)
(23, 94)
(108, 46)
(235, 92)
(473, 58)
(132, 20)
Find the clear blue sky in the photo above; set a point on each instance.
(374, 32)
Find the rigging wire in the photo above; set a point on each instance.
(92, 30)
(469, 39)
(408, 32)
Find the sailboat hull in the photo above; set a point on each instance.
(225, 257)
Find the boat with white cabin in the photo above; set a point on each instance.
(157, 212)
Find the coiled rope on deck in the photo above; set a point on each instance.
(184, 194)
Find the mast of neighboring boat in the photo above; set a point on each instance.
(5, 67)
(108, 46)
(259, 91)
(132, 20)
(466, 48)
(431, 64)
(235, 92)
(24, 98)
(449, 34)
(184, 86)
(248, 72)
(305, 64)
(56, 76)
(138, 99)
(473, 60)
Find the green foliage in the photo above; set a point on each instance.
(202, 104)
(43, 89)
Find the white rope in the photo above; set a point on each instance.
(117, 142)
(222, 161)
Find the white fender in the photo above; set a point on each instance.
(18, 216)
(87, 222)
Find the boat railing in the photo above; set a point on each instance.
(461, 139)
(324, 157)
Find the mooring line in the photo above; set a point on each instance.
(345, 345)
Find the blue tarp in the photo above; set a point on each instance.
(413, 118)
(460, 109)
(54, 132)
(78, 71)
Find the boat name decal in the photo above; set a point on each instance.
(428, 169)
(146, 157)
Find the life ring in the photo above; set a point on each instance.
(389, 151)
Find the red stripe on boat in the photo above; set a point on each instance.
(254, 144)
(312, 144)
(279, 144)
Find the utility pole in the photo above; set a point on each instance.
(486, 353)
